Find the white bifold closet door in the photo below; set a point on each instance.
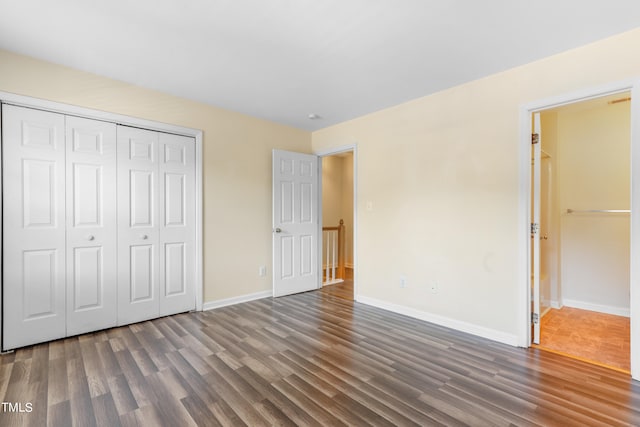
(60, 225)
(34, 281)
(99, 225)
(156, 234)
(91, 225)
(177, 223)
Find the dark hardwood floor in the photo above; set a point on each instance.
(309, 359)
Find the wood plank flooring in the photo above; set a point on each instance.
(598, 337)
(342, 290)
(310, 359)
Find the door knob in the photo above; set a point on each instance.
(90, 237)
(278, 230)
(144, 236)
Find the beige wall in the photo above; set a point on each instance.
(237, 162)
(441, 176)
(594, 173)
(332, 176)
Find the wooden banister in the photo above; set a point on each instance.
(341, 250)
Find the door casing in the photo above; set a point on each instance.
(524, 208)
(535, 233)
(326, 153)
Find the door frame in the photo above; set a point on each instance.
(89, 113)
(535, 234)
(525, 188)
(331, 152)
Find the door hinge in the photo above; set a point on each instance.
(535, 227)
(534, 318)
(535, 138)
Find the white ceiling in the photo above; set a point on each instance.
(284, 59)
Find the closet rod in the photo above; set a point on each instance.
(569, 211)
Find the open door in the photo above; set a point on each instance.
(536, 151)
(295, 222)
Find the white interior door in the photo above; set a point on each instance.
(535, 228)
(91, 225)
(138, 231)
(177, 223)
(34, 226)
(295, 222)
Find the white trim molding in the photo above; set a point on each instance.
(469, 328)
(333, 282)
(607, 309)
(90, 113)
(212, 305)
(199, 193)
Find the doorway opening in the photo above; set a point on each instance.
(338, 223)
(581, 230)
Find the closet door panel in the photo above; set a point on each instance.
(91, 225)
(175, 270)
(177, 224)
(138, 225)
(141, 189)
(142, 266)
(34, 226)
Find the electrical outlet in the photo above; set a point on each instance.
(403, 282)
(262, 271)
(435, 287)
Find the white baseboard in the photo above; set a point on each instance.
(333, 282)
(458, 325)
(548, 305)
(546, 310)
(608, 309)
(211, 305)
